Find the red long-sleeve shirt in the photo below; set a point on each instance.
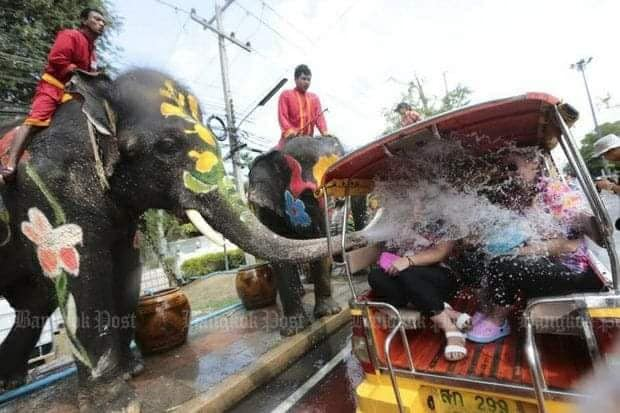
(299, 112)
(72, 49)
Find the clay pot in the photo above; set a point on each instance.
(256, 286)
(162, 320)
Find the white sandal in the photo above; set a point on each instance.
(458, 349)
(463, 321)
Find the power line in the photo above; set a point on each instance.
(260, 19)
(288, 22)
(173, 6)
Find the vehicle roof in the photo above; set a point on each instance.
(524, 120)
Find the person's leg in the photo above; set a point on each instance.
(428, 287)
(44, 104)
(538, 277)
(387, 288)
(455, 340)
(23, 134)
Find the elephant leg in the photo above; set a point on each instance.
(98, 354)
(324, 304)
(33, 301)
(294, 317)
(127, 277)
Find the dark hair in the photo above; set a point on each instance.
(86, 12)
(402, 105)
(302, 70)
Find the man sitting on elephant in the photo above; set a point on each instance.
(72, 49)
(299, 110)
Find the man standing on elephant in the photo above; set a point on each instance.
(73, 49)
(299, 110)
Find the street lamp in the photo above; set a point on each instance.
(581, 67)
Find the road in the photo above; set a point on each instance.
(324, 380)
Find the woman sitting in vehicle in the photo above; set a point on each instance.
(518, 265)
(420, 279)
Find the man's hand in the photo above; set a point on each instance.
(604, 184)
(398, 265)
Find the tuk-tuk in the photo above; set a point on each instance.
(540, 368)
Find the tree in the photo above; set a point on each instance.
(28, 31)
(427, 105)
(158, 227)
(595, 165)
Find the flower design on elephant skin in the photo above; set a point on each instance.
(296, 210)
(55, 246)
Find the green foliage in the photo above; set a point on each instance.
(28, 31)
(595, 165)
(208, 263)
(159, 223)
(426, 105)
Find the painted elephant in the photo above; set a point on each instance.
(282, 186)
(117, 148)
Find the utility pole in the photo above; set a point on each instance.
(233, 138)
(581, 67)
(230, 114)
(445, 82)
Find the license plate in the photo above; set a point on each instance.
(438, 400)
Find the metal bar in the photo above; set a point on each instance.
(533, 360)
(403, 337)
(224, 7)
(345, 260)
(328, 225)
(386, 349)
(400, 321)
(590, 338)
(603, 221)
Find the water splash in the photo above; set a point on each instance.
(446, 190)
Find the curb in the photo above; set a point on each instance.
(232, 390)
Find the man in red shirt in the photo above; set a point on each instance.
(299, 110)
(408, 116)
(72, 49)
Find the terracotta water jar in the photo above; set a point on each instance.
(256, 286)
(162, 320)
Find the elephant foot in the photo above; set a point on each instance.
(326, 306)
(12, 381)
(133, 365)
(114, 396)
(291, 325)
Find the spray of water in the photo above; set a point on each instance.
(451, 193)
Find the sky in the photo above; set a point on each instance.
(362, 54)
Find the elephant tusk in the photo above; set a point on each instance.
(205, 229)
(375, 220)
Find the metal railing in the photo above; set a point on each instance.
(580, 303)
(603, 222)
(387, 346)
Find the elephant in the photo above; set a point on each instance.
(118, 148)
(283, 194)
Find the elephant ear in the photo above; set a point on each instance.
(92, 90)
(268, 179)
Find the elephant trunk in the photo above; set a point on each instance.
(240, 226)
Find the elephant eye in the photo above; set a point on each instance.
(167, 146)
